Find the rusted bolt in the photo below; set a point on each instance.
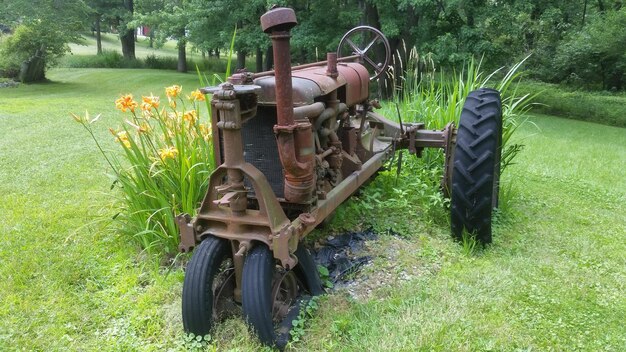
(244, 246)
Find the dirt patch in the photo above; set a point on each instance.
(360, 263)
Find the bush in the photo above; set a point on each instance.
(161, 63)
(108, 59)
(15, 49)
(599, 107)
(164, 166)
(113, 59)
(594, 56)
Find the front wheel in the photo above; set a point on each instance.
(269, 292)
(208, 289)
(476, 165)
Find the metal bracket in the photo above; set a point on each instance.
(187, 233)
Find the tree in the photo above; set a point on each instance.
(168, 18)
(102, 11)
(126, 30)
(42, 30)
(595, 54)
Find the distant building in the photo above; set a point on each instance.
(143, 31)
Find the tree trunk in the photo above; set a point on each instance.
(241, 59)
(98, 34)
(33, 69)
(151, 36)
(182, 55)
(217, 53)
(259, 59)
(269, 59)
(127, 36)
(128, 44)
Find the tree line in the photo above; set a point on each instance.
(581, 42)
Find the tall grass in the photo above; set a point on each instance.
(163, 168)
(436, 98)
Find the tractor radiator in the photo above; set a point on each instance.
(260, 150)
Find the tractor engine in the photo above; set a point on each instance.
(303, 137)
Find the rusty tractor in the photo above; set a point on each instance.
(292, 144)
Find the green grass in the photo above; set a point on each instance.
(67, 281)
(554, 279)
(142, 50)
(602, 107)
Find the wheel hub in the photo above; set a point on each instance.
(224, 304)
(284, 294)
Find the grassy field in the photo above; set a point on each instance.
(112, 42)
(554, 279)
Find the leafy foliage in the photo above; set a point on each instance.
(595, 55)
(164, 168)
(41, 29)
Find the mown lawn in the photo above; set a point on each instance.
(554, 279)
(112, 42)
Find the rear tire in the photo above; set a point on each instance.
(476, 167)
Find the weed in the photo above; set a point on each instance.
(307, 311)
(191, 342)
(325, 276)
(469, 243)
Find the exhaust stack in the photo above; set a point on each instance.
(294, 138)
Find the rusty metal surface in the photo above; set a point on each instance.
(311, 83)
(357, 78)
(449, 137)
(304, 91)
(429, 139)
(318, 75)
(331, 65)
(187, 233)
(377, 38)
(295, 139)
(282, 70)
(340, 193)
(351, 58)
(278, 19)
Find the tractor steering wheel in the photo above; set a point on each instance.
(371, 46)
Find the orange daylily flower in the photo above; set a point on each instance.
(121, 136)
(126, 102)
(173, 91)
(168, 152)
(205, 131)
(197, 95)
(191, 116)
(149, 102)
